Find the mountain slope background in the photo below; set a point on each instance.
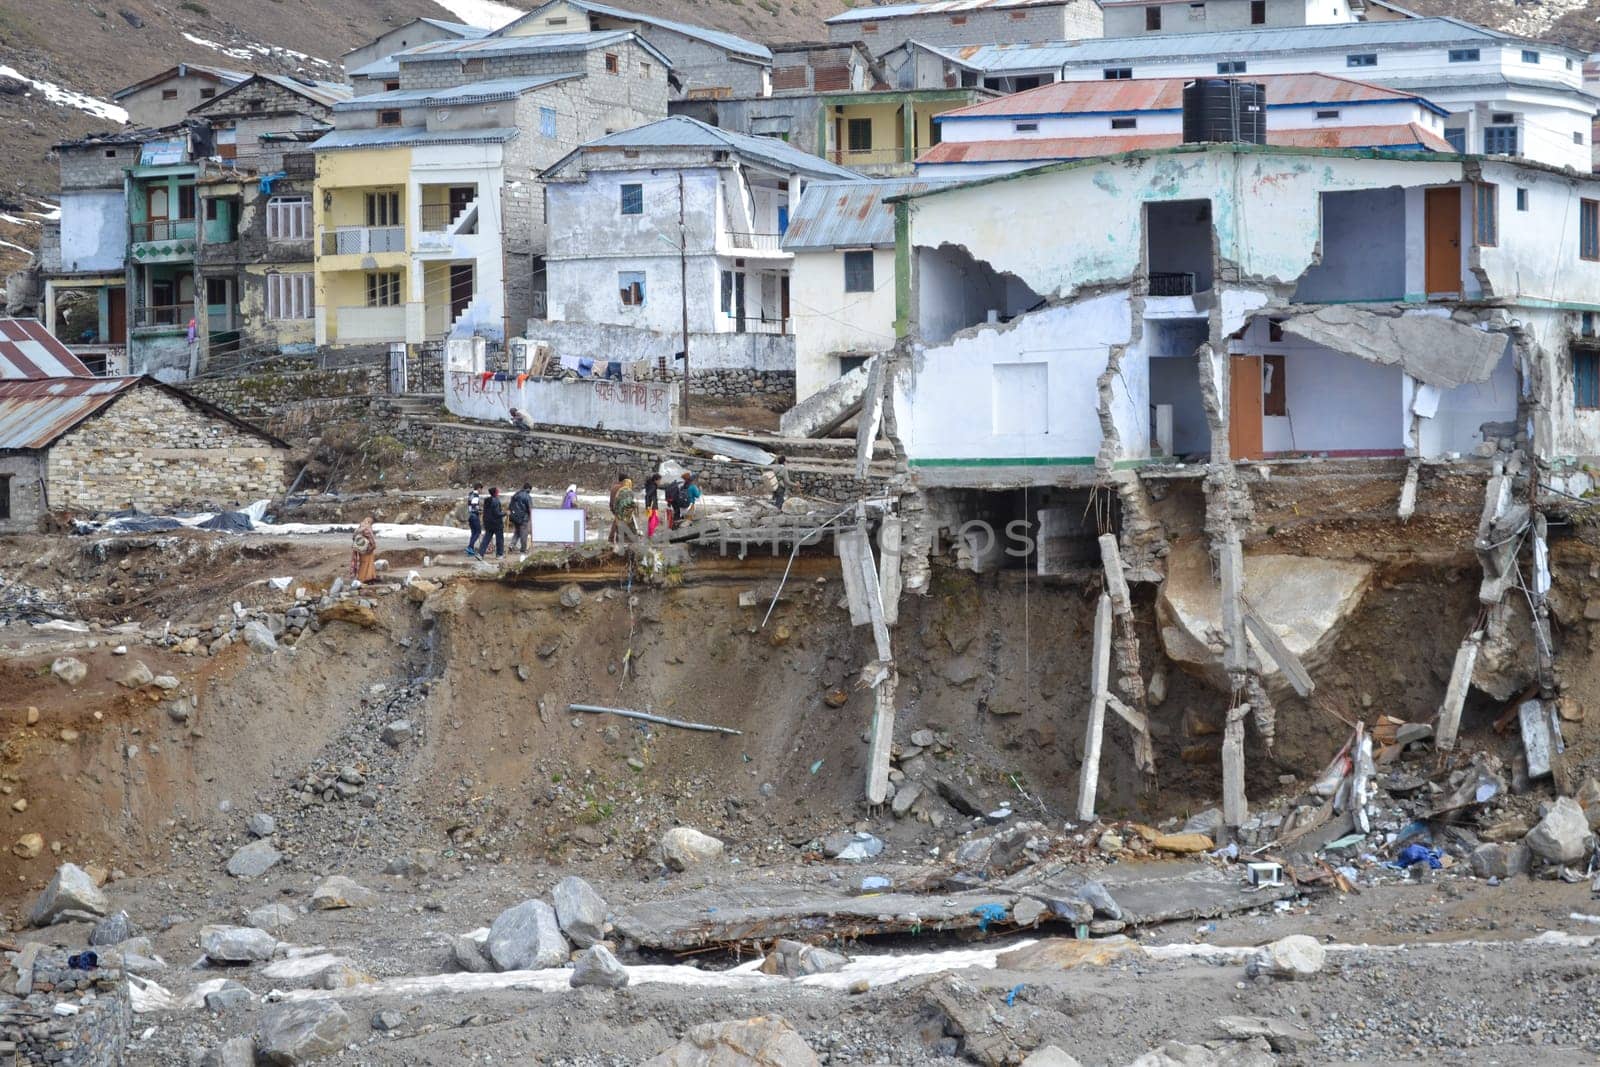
(51, 51)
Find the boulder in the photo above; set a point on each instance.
(1182, 843)
(70, 669)
(413, 864)
(469, 952)
(1049, 1056)
(525, 937)
(253, 860)
(851, 847)
(1067, 953)
(597, 967)
(297, 1032)
(1208, 822)
(765, 1041)
(1295, 956)
(258, 637)
(1281, 1035)
(229, 997)
(683, 847)
(234, 1052)
(397, 733)
(580, 911)
(71, 890)
(342, 975)
(1493, 860)
(271, 916)
(340, 892)
(28, 846)
(1588, 798)
(137, 676)
(1562, 836)
(112, 930)
(261, 825)
(796, 959)
(388, 1020)
(237, 944)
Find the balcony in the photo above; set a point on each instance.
(776, 327)
(163, 230)
(363, 240)
(1172, 283)
(158, 316)
(759, 242)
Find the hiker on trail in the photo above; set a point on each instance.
(474, 517)
(652, 500)
(494, 525)
(688, 497)
(780, 474)
(570, 500)
(521, 517)
(627, 511)
(364, 552)
(611, 505)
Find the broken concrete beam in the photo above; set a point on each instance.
(742, 451)
(1538, 739)
(1408, 491)
(1230, 570)
(852, 545)
(1455, 695)
(1235, 807)
(882, 739)
(1293, 670)
(889, 568)
(1116, 581)
(871, 419)
(1100, 689)
(827, 409)
(1435, 350)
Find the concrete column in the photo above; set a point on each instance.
(1100, 692)
(908, 123)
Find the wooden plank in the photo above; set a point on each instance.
(882, 739)
(1100, 678)
(1293, 670)
(1455, 695)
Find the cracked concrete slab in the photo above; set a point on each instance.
(1433, 349)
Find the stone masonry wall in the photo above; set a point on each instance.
(94, 1035)
(150, 450)
(270, 388)
(19, 478)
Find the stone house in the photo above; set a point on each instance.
(376, 56)
(884, 26)
(163, 99)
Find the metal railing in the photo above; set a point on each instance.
(867, 157)
(162, 315)
(772, 326)
(763, 242)
(163, 230)
(1171, 283)
(363, 240)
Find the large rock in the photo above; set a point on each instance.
(258, 637)
(1492, 860)
(271, 916)
(1295, 956)
(597, 967)
(684, 847)
(137, 677)
(1303, 599)
(470, 953)
(301, 1031)
(765, 1041)
(796, 959)
(70, 669)
(527, 937)
(253, 860)
(72, 889)
(580, 910)
(234, 1052)
(1067, 953)
(1049, 1056)
(340, 892)
(237, 944)
(1562, 836)
(112, 930)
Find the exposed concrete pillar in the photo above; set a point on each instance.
(1235, 807)
(1455, 694)
(889, 568)
(882, 739)
(1100, 691)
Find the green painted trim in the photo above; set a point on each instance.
(1550, 305)
(1027, 461)
(902, 271)
(822, 132)
(908, 133)
(970, 95)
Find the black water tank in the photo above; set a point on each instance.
(1223, 109)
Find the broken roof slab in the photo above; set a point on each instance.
(1433, 348)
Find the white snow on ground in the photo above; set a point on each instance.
(67, 98)
(19, 248)
(252, 51)
(50, 212)
(486, 13)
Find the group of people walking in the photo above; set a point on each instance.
(680, 495)
(487, 515)
(666, 501)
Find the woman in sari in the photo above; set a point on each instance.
(363, 552)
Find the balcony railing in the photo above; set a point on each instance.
(162, 315)
(163, 230)
(754, 325)
(363, 240)
(761, 242)
(1171, 283)
(867, 157)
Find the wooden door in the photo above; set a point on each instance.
(1442, 226)
(117, 316)
(1244, 407)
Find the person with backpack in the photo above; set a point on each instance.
(521, 517)
(674, 498)
(494, 525)
(474, 517)
(780, 482)
(652, 501)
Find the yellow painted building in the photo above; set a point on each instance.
(362, 260)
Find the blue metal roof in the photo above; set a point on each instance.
(848, 214)
(460, 29)
(875, 12)
(398, 136)
(680, 131)
(517, 46)
(722, 40)
(472, 92)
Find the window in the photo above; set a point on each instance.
(1486, 214)
(1457, 136)
(1361, 59)
(218, 292)
(1025, 127)
(1569, 64)
(860, 133)
(1585, 379)
(1522, 199)
(391, 86)
(1116, 74)
(1577, 136)
(1463, 55)
(630, 285)
(727, 293)
(869, 27)
(383, 209)
(1197, 12)
(644, 70)
(547, 122)
(560, 20)
(1331, 113)
(289, 218)
(612, 65)
(473, 66)
(111, 153)
(383, 289)
(858, 272)
(1152, 19)
(1530, 56)
(388, 118)
(1124, 124)
(632, 199)
(186, 204)
(1502, 118)
(1231, 66)
(207, 94)
(5, 496)
(1589, 229)
(289, 296)
(1018, 16)
(213, 208)
(1258, 12)
(1499, 140)
(1274, 388)
(169, 94)
(958, 20)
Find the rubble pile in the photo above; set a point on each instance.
(58, 1007)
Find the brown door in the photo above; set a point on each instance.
(117, 316)
(1244, 407)
(1442, 222)
(460, 289)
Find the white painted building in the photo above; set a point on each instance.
(1081, 120)
(1243, 302)
(1505, 95)
(1132, 18)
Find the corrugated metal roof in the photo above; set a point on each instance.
(460, 29)
(496, 89)
(1166, 94)
(221, 74)
(680, 131)
(848, 214)
(1402, 33)
(377, 68)
(34, 414)
(1061, 149)
(511, 46)
(726, 41)
(871, 13)
(399, 136)
(329, 93)
(28, 351)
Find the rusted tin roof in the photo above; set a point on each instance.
(848, 214)
(34, 414)
(27, 350)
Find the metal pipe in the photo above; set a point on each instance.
(626, 714)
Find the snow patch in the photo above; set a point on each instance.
(252, 52)
(484, 13)
(62, 97)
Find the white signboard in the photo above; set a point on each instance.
(561, 526)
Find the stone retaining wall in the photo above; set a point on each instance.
(94, 1034)
(272, 388)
